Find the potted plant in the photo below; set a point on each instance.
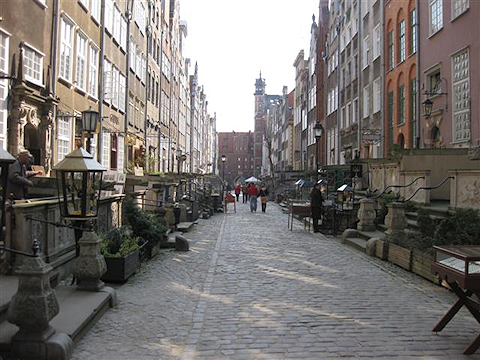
(121, 251)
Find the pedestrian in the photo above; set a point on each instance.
(245, 193)
(316, 203)
(18, 175)
(263, 197)
(253, 194)
(237, 190)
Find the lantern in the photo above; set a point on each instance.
(79, 179)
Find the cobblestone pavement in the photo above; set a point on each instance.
(251, 289)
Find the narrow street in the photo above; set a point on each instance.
(251, 289)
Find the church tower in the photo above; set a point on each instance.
(259, 128)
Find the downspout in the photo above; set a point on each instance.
(128, 15)
(337, 117)
(100, 84)
(382, 72)
(417, 110)
(148, 32)
(360, 80)
(160, 100)
(53, 62)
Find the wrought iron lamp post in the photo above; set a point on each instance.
(89, 124)
(79, 179)
(224, 158)
(318, 128)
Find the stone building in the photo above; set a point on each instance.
(28, 98)
(401, 78)
(238, 149)
(300, 123)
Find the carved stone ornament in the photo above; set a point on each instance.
(366, 215)
(32, 117)
(35, 303)
(90, 265)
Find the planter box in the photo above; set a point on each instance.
(120, 269)
(400, 256)
(422, 265)
(381, 249)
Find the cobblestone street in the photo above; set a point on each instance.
(251, 289)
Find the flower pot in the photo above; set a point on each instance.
(120, 269)
(422, 265)
(400, 256)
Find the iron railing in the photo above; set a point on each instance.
(430, 187)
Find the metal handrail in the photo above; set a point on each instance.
(35, 250)
(430, 187)
(397, 186)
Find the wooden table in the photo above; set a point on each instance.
(302, 210)
(459, 266)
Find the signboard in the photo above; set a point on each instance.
(371, 135)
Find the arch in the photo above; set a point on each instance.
(400, 15)
(31, 141)
(400, 78)
(436, 137)
(411, 5)
(401, 141)
(390, 26)
(412, 71)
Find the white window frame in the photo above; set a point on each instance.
(122, 92)
(107, 81)
(366, 101)
(120, 154)
(64, 136)
(459, 4)
(376, 41)
(106, 149)
(365, 52)
(461, 99)
(109, 14)
(115, 86)
(36, 57)
(123, 33)
(438, 6)
(376, 95)
(66, 49)
(81, 61)
(93, 71)
(95, 9)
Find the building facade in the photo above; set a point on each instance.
(238, 149)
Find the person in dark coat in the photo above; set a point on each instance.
(316, 202)
(18, 176)
(263, 197)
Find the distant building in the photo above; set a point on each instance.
(238, 149)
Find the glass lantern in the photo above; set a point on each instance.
(79, 179)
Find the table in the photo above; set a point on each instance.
(459, 266)
(302, 210)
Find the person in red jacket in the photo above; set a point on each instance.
(253, 194)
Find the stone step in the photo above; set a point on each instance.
(357, 243)
(185, 226)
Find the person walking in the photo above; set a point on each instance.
(237, 188)
(263, 197)
(316, 202)
(253, 194)
(245, 193)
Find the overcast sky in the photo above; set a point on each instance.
(233, 41)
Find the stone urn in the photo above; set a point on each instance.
(366, 215)
(395, 221)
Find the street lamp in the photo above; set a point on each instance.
(427, 108)
(224, 158)
(179, 157)
(79, 180)
(5, 160)
(89, 124)
(318, 128)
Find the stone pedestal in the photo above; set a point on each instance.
(366, 215)
(183, 212)
(395, 221)
(31, 309)
(90, 264)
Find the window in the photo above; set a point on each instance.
(434, 82)
(120, 152)
(133, 52)
(33, 64)
(115, 86)
(413, 105)
(401, 105)
(122, 93)
(105, 148)
(143, 74)
(109, 16)
(376, 95)
(461, 96)
(113, 152)
(107, 81)
(459, 7)
(66, 45)
(95, 9)
(117, 24)
(80, 73)
(390, 117)
(123, 33)
(84, 3)
(366, 101)
(93, 72)
(4, 49)
(139, 15)
(436, 15)
(376, 41)
(413, 31)
(391, 51)
(401, 41)
(63, 136)
(93, 146)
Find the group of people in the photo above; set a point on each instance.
(251, 192)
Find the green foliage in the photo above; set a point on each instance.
(118, 242)
(145, 225)
(463, 227)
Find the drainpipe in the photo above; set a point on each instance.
(160, 100)
(382, 72)
(128, 14)
(360, 78)
(417, 110)
(100, 84)
(53, 62)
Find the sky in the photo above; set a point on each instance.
(232, 41)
